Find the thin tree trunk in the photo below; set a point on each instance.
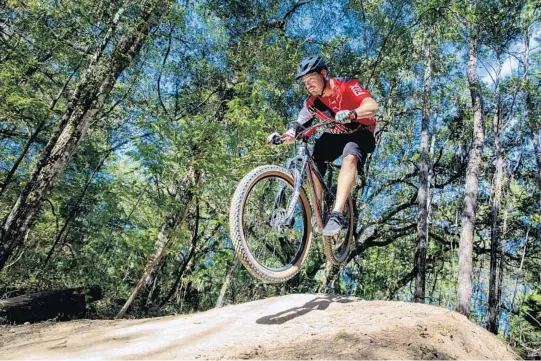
(186, 260)
(477, 280)
(530, 108)
(34, 136)
(423, 192)
(520, 270)
(443, 277)
(19, 159)
(537, 151)
(84, 103)
(74, 211)
(497, 124)
(501, 253)
(534, 134)
(495, 250)
(154, 279)
(227, 283)
(162, 242)
(394, 288)
(472, 182)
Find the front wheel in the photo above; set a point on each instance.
(271, 247)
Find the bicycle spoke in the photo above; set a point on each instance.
(275, 243)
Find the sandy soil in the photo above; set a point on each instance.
(290, 327)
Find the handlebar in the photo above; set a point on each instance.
(276, 138)
(308, 132)
(326, 121)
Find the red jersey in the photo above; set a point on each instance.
(347, 95)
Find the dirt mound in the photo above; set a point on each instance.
(289, 327)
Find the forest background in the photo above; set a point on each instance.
(126, 125)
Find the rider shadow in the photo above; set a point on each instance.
(318, 303)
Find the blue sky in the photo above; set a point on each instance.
(511, 64)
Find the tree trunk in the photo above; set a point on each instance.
(74, 210)
(422, 195)
(163, 240)
(503, 238)
(496, 196)
(495, 240)
(533, 124)
(519, 270)
(186, 260)
(501, 264)
(227, 283)
(84, 103)
(39, 306)
(472, 181)
(537, 152)
(21, 156)
(534, 134)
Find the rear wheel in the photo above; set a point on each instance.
(336, 248)
(270, 247)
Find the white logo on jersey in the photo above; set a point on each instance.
(336, 100)
(357, 90)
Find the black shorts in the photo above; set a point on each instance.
(331, 146)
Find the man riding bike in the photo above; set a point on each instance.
(353, 107)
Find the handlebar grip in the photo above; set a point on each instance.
(274, 139)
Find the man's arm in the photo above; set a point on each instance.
(303, 120)
(367, 105)
(367, 109)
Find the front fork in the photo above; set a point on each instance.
(298, 177)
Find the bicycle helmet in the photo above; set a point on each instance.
(309, 65)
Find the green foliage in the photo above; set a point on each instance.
(214, 79)
(531, 310)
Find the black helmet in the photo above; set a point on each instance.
(309, 65)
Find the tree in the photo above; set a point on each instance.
(85, 102)
(472, 177)
(423, 193)
(502, 30)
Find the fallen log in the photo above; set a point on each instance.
(64, 304)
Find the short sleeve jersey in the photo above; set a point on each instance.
(347, 94)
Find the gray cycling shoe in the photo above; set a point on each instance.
(337, 222)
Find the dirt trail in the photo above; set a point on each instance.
(290, 327)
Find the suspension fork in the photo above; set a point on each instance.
(282, 186)
(298, 176)
(317, 203)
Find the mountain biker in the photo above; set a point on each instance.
(351, 105)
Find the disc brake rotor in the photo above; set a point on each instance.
(278, 221)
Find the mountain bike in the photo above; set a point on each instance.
(270, 216)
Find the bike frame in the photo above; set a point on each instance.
(307, 165)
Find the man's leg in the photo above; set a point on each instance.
(346, 181)
(326, 149)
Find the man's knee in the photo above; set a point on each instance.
(350, 160)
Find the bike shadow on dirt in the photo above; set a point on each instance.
(319, 303)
